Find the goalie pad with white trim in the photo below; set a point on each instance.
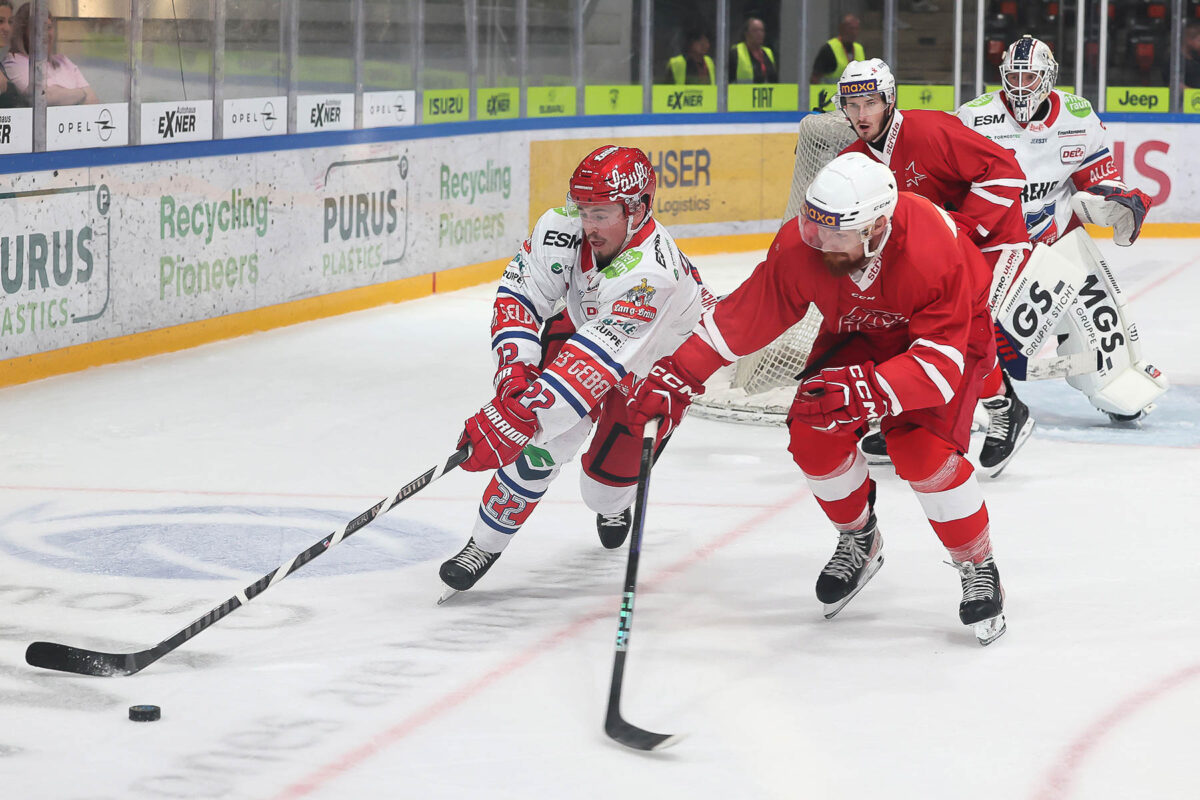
(1098, 328)
(1031, 310)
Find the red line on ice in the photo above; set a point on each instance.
(329, 772)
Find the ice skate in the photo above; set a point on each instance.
(857, 558)
(614, 528)
(461, 572)
(1009, 425)
(982, 605)
(874, 447)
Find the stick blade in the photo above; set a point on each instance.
(64, 658)
(637, 738)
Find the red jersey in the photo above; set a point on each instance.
(934, 155)
(921, 303)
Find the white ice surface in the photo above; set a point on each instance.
(138, 496)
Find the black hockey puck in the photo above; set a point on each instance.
(144, 713)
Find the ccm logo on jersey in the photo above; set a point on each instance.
(989, 119)
(1071, 155)
(559, 239)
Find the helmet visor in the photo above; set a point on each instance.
(829, 239)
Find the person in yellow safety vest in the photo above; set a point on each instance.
(838, 52)
(751, 61)
(693, 65)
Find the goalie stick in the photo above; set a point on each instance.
(615, 726)
(65, 658)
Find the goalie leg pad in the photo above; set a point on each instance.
(1034, 305)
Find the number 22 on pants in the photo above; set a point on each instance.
(505, 508)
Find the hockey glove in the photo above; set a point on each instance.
(666, 392)
(513, 379)
(840, 396)
(497, 434)
(1113, 205)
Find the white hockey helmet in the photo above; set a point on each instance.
(1028, 72)
(843, 203)
(865, 78)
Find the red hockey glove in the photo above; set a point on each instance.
(840, 396)
(513, 379)
(497, 434)
(666, 392)
(1113, 205)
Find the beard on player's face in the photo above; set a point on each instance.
(843, 264)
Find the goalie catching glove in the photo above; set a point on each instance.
(840, 396)
(497, 434)
(666, 393)
(1113, 205)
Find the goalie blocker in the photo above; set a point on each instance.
(1068, 288)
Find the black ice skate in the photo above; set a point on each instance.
(857, 558)
(874, 447)
(1009, 425)
(614, 528)
(982, 605)
(461, 572)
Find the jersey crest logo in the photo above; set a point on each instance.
(912, 177)
(636, 304)
(870, 319)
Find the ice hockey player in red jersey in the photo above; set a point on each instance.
(933, 155)
(630, 297)
(906, 339)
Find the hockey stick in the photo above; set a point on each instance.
(49, 655)
(614, 725)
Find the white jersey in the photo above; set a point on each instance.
(1065, 152)
(626, 315)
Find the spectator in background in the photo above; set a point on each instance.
(693, 65)
(9, 96)
(65, 84)
(838, 52)
(750, 61)
(1191, 55)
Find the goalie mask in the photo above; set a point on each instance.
(612, 174)
(843, 204)
(1028, 72)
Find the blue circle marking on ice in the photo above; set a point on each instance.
(214, 541)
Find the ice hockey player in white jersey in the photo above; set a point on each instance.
(630, 298)
(1072, 178)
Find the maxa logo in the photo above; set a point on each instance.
(1069, 154)
(175, 122)
(685, 99)
(325, 114)
(988, 119)
(859, 87)
(821, 216)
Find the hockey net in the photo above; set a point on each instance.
(758, 388)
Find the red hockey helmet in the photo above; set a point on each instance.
(612, 174)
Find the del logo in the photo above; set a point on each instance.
(1069, 154)
(988, 119)
(685, 99)
(497, 104)
(325, 114)
(176, 121)
(821, 216)
(859, 87)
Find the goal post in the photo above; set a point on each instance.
(758, 388)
